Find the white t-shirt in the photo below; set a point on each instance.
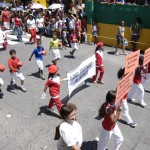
(40, 22)
(70, 134)
(31, 23)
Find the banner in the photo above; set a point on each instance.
(124, 86)
(132, 61)
(85, 70)
(146, 56)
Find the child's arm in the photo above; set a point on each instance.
(31, 57)
(65, 79)
(43, 96)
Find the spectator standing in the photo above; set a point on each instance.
(40, 25)
(94, 32)
(135, 30)
(109, 124)
(18, 27)
(120, 38)
(70, 130)
(6, 18)
(32, 28)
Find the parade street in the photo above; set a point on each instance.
(25, 123)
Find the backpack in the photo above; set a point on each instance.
(101, 111)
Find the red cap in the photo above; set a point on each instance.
(100, 44)
(2, 67)
(53, 69)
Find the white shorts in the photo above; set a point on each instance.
(17, 76)
(40, 64)
(55, 54)
(7, 25)
(74, 46)
(1, 82)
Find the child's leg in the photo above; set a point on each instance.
(101, 74)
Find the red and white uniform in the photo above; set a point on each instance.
(125, 109)
(15, 74)
(109, 128)
(137, 86)
(54, 91)
(17, 22)
(99, 65)
(147, 76)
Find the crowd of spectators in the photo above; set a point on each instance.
(134, 2)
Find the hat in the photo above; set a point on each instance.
(53, 69)
(100, 44)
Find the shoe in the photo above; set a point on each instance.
(125, 53)
(43, 77)
(101, 82)
(52, 110)
(132, 99)
(143, 104)
(132, 124)
(94, 81)
(117, 53)
(23, 89)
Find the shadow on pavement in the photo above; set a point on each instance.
(111, 53)
(9, 89)
(43, 110)
(69, 56)
(36, 74)
(122, 121)
(67, 98)
(147, 91)
(89, 145)
(134, 103)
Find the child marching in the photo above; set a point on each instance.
(137, 87)
(109, 124)
(124, 104)
(39, 52)
(54, 48)
(99, 63)
(53, 84)
(2, 68)
(74, 41)
(14, 65)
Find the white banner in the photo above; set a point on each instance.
(85, 70)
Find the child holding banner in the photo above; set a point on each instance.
(137, 86)
(147, 76)
(109, 124)
(125, 108)
(99, 63)
(53, 84)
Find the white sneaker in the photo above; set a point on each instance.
(143, 104)
(23, 89)
(52, 110)
(132, 99)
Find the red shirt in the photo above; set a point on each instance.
(6, 16)
(73, 36)
(138, 77)
(99, 57)
(12, 63)
(107, 123)
(17, 21)
(54, 86)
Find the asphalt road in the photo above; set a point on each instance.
(26, 125)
